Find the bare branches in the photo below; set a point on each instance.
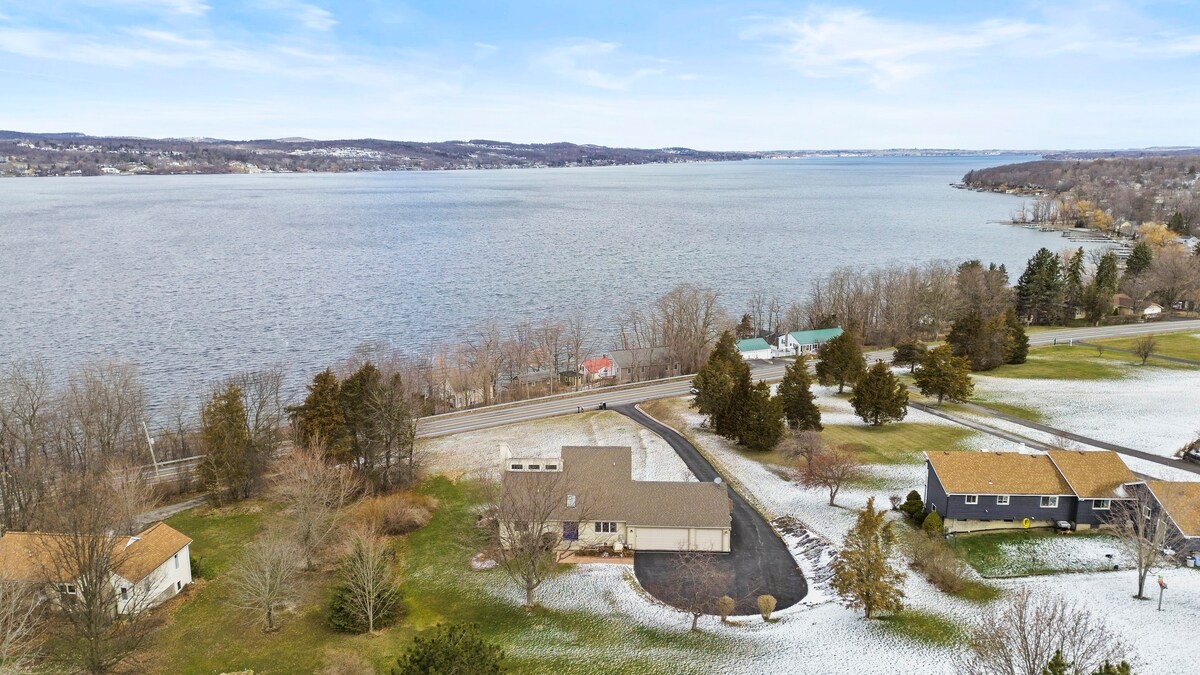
(830, 468)
(531, 512)
(697, 583)
(20, 616)
(367, 598)
(315, 492)
(1019, 636)
(262, 580)
(1145, 347)
(1144, 533)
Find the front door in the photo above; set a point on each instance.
(570, 531)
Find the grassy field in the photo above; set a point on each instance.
(900, 443)
(205, 635)
(1179, 345)
(985, 552)
(1064, 362)
(922, 626)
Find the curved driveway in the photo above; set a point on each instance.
(758, 560)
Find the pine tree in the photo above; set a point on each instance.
(1040, 289)
(723, 387)
(745, 328)
(1122, 668)
(1139, 259)
(761, 426)
(1097, 297)
(354, 400)
(228, 467)
(796, 396)
(862, 572)
(879, 397)
(1073, 285)
(841, 361)
(944, 375)
(909, 353)
(1177, 225)
(1057, 666)
(320, 417)
(1016, 342)
(450, 649)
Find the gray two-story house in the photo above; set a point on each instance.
(974, 491)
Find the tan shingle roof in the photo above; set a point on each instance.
(601, 478)
(1092, 474)
(997, 473)
(1181, 501)
(30, 556)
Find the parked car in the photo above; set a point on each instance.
(1192, 455)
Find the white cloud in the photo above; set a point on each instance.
(315, 18)
(581, 60)
(483, 49)
(186, 7)
(839, 42)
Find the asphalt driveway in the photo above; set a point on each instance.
(758, 560)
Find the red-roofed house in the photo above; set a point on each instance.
(599, 368)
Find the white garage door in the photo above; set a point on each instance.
(661, 539)
(708, 540)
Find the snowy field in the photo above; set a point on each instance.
(477, 453)
(1084, 553)
(1154, 410)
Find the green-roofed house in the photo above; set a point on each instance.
(806, 341)
(754, 348)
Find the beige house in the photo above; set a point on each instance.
(596, 502)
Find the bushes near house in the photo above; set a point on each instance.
(914, 507)
(766, 605)
(725, 605)
(450, 649)
(395, 514)
(933, 525)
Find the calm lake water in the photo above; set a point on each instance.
(194, 277)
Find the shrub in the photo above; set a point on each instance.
(342, 614)
(766, 605)
(197, 567)
(725, 605)
(937, 562)
(933, 525)
(913, 505)
(397, 513)
(450, 649)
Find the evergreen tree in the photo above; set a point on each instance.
(985, 343)
(933, 525)
(354, 400)
(320, 417)
(227, 470)
(862, 572)
(1106, 271)
(745, 328)
(1016, 343)
(450, 649)
(909, 353)
(944, 375)
(761, 425)
(723, 387)
(1177, 225)
(1122, 668)
(796, 396)
(1097, 297)
(841, 361)
(1073, 289)
(1139, 259)
(1040, 289)
(1057, 666)
(912, 504)
(879, 397)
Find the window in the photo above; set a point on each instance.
(606, 527)
(124, 593)
(570, 501)
(570, 531)
(534, 467)
(972, 499)
(517, 467)
(66, 589)
(1146, 512)
(552, 467)
(1102, 505)
(176, 561)
(1001, 500)
(1050, 502)
(179, 585)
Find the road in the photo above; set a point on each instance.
(564, 404)
(758, 560)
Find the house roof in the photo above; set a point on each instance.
(1181, 500)
(601, 479)
(30, 556)
(752, 345)
(997, 473)
(1092, 474)
(597, 364)
(642, 356)
(810, 337)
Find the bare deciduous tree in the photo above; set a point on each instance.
(830, 468)
(314, 492)
(1144, 533)
(697, 583)
(20, 620)
(370, 585)
(262, 579)
(528, 511)
(1019, 636)
(1145, 347)
(25, 436)
(391, 448)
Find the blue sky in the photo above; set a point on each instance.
(712, 75)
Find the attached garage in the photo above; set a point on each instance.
(704, 539)
(678, 539)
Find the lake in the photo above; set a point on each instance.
(195, 277)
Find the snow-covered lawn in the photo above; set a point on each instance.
(1086, 553)
(476, 453)
(1150, 409)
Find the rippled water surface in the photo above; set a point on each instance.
(194, 277)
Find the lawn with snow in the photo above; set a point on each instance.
(476, 453)
(1023, 553)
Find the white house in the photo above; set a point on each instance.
(754, 348)
(148, 567)
(806, 341)
(1152, 310)
(601, 505)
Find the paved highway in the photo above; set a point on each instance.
(564, 404)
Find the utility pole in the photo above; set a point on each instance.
(150, 442)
